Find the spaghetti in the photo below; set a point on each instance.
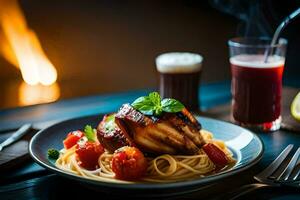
(164, 168)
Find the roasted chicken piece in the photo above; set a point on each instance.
(110, 135)
(172, 133)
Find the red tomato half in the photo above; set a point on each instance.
(216, 155)
(88, 154)
(72, 139)
(129, 163)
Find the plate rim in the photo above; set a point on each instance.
(132, 186)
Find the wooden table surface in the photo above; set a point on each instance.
(27, 180)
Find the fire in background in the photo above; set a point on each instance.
(20, 46)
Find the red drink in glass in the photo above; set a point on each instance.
(256, 88)
(257, 67)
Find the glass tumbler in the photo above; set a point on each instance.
(256, 85)
(179, 77)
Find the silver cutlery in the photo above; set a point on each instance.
(281, 172)
(16, 136)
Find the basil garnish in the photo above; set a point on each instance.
(153, 105)
(89, 133)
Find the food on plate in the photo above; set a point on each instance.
(110, 135)
(150, 140)
(172, 133)
(72, 138)
(216, 155)
(129, 163)
(53, 153)
(87, 154)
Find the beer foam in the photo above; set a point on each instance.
(257, 61)
(179, 62)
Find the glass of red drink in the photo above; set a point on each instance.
(256, 85)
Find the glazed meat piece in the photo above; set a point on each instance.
(110, 135)
(186, 124)
(172, 133)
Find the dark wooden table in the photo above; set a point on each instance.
(27, 180)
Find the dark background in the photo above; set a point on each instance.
(110, 46)
(104, 46)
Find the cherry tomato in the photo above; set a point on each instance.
(129, 163)
(72, 139)
(88, 154)
(216, 155)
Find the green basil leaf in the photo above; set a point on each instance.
(89, 133)
(141, 101)
(145, 105)
(158, 110)
(171, 105)
(155, 98)
(153, 105)
(146, 109)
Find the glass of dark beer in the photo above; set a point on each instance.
(256, 85)
(179, 77)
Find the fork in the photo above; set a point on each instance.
(277, 174)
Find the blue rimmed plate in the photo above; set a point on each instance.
(247, 149)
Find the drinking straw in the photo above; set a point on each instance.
(278, 31)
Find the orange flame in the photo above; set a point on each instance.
(35, 94)
(21, 47)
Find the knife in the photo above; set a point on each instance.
(16, 135)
